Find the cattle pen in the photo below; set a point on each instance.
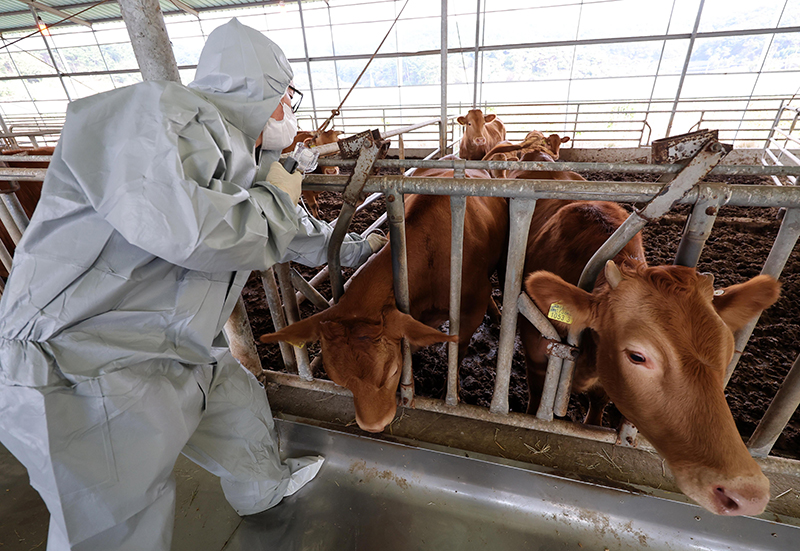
(462, 465)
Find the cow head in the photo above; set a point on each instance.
(363, 355)
(663, 342)
(474, 134)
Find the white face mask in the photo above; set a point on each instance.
(280, 134)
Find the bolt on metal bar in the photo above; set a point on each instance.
(776, 260)
(520, 214)
(278, 317)
(458, 206)
(395, 210)
(698, 227)
(778, 413)
(292, 316)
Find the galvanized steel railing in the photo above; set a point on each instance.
(522, 196)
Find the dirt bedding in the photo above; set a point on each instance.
(736, 251)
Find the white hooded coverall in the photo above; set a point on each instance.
(112, 360)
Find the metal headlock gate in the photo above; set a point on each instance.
(685, 188)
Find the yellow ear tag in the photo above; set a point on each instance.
(559, 313)
(299, 344)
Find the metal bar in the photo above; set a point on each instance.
(278, 317)
(520, 213)
(366, 159)
(395, 211)
(696, 169)
(14, 207)
(520, 420)
(528, 309)
(10, 225)
(185, 7)
(776, 260)
(685, 66)
(476, 54)
(5, 257)
(240, 339)
(58, 13)
(149, 38)
(639, 192)
(564, 388)
(698, 227)
(293, 316)
(308, 63)
(788, 137)
(308, 291)
(718, 170)
(443, 87)
(778, 413)
(458, 206)
(775, 123)
(36, 20)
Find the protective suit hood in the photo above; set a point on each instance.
(244, 74)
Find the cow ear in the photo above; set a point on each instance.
(461, 120)
(738, 304)
(565, 139)
(489, 118)
(560, 300)
(415, 331)
(297, 333)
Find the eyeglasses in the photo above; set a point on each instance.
(296, 97)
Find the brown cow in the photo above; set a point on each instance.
(656, 341)
(361, 334)
(481, 134)
(315, 139)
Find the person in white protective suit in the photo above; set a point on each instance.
(112, 357)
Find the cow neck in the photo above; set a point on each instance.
(371, 288)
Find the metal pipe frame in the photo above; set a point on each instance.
(458, 208)
(778, 413)
(520, 214)
(292, 316)
(395, 211)
(278, 316)
(10, 224)
(443, 86)
(773, 266)
(698, 227)
(626, 192)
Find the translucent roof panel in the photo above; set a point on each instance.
(629, 61)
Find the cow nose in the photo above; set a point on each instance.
(480, 141)
(747, 500)
(371, 427)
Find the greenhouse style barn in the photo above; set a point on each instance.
(575, 321)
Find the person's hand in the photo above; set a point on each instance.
(290, 183)
(376, 241)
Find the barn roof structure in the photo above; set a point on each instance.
(605, 72)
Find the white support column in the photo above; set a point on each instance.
(150, 40)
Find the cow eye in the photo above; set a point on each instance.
(636, 358)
